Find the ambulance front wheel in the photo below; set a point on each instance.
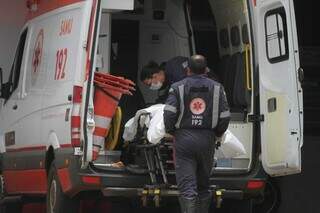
(57, 201)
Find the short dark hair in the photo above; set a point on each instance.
(148, 70)
(198, 64)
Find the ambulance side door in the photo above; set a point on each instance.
(13, 111)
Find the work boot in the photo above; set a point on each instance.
(188, 205)
(204, 204)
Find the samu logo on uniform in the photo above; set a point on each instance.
(197, 107)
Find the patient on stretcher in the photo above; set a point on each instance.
(230, 146)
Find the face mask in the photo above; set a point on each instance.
(156, 86)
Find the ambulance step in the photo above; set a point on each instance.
(131, 192)
(108, 167)
(108, 157)
(135, 169)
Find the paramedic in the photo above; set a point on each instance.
(161, 77)
(196, 112)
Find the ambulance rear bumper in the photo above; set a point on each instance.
(130, 185)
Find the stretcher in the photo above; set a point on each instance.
(159, 165)
(153, 154)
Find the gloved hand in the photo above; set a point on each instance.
(218, 142)
(168, 136)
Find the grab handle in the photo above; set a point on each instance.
(248, 70)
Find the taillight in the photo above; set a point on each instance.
(75, 116)
(92, 180)
(255, 184)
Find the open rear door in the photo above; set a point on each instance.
(280, 89)
(88, 127)
(87, 116)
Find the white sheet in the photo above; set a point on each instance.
(230, 145)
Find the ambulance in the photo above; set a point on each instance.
(47, 119)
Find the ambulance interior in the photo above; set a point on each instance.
(161, 29)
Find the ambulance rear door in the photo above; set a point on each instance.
(280, 89)
(88, 124)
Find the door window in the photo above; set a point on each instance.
(16, 67)
(276, 35)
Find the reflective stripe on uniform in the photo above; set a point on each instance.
(181, 94)
(170, 108)
(215, 107)
(225, 114)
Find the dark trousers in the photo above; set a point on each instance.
(194, 152)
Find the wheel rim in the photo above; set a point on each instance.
(53, 195)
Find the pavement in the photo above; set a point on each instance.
(300, 193)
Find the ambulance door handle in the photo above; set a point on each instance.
(272, 105)
(15, 107)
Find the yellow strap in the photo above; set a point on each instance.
(112, 138)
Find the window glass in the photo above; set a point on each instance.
(16, 67)
(276, 35)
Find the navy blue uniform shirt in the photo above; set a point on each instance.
(175, 70)
(197, 102)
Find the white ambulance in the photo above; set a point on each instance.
(46, 117)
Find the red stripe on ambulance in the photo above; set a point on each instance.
(26, 181)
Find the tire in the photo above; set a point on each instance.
(272, 199)
(57, 201)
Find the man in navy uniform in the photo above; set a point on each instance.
(196, 112)
(161, 77)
